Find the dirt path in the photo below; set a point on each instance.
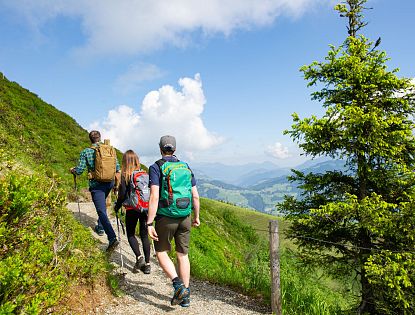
(150, 294)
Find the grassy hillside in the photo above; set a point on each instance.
(44, 251)
(36, 133)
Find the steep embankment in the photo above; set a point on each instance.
(44, 251)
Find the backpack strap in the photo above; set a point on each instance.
(94, 146)
(160, 164)
(163, 203)
(131, 181)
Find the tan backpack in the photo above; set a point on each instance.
(105, 162)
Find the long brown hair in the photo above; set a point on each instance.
(130, 163)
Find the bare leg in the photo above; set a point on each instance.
(166, 264)
(184, 268)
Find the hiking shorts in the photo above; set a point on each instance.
(169, 228)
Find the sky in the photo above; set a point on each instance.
(222, 76)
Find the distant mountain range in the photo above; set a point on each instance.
(232, 174)
(259, 186)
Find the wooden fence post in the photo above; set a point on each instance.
(275, 267)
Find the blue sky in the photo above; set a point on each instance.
(222, 76)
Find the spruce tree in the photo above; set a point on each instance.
(359, 221)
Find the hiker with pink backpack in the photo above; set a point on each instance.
(133, 194)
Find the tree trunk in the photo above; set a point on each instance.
(367, 305)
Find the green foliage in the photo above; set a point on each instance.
(43, 249)
(360, 221)
(113, 282)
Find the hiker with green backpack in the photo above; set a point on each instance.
(173, 196)
(101, 162)
(133, 194)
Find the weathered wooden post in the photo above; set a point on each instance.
(275, 268)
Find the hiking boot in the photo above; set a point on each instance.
(186, 300)
(112, 245)
(99, 230)
(139, 264)
(180, 292)
(146, 268)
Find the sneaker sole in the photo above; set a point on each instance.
(145, 270)
(185, 304)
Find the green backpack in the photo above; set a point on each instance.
(175, 189)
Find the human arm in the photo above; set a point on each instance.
(152, 211)
(82, 164)
(196, 206)
(122, 194)
(117, 181)
(117, 178)
(117, 166)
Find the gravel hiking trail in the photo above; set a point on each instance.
(151, 294)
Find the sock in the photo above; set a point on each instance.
(177, 280)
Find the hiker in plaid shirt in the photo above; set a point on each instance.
(99, 190)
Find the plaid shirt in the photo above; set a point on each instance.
(87, 161)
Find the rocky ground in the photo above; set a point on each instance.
(150, 294)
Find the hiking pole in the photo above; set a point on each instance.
(122, 224)
(119, 238)
(77, 197)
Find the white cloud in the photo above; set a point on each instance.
(136, 26)
(136, 74)
(278, 151)
(165, 111)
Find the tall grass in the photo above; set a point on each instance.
(228, 250)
